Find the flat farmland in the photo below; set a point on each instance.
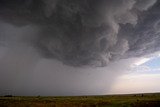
(126, 100)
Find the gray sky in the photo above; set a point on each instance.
(71, 47)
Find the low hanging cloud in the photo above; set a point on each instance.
(87, 32)
(37, 36)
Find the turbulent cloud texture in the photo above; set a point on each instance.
(87, 32)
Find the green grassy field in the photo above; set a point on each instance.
(131, 100)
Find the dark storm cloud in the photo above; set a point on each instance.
(144, 38)
(88, 32)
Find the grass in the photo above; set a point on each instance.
(130, 100)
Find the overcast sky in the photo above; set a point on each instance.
(79, 47)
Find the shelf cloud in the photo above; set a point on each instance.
(74, 47)
(88, 32)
